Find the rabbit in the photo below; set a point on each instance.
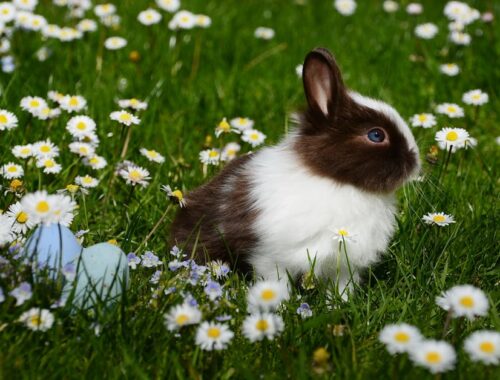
(274, 211)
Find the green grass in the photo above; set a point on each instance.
(223, 71)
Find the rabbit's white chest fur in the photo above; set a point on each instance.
(298, 212)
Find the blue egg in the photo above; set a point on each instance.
(102, 276)
(52, 246)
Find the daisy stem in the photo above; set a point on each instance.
(476, 114)
(445, 166)
(131, 192)
(447, 323)
(85, 212)
(155, 227)
(39, 179)
(125, 144)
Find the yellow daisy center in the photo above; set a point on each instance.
(34, 103)
(184, 19)
(25, 151)
(83, 150)
(422, 117)
(213, 332)
(42, 206)
(3, 119)
(87, 180)
(15, 184)
(451, 109)
(476, 96)
(224, 125)
(12, 169)
(125, 117)
(72, 188)
(467, 301)
(343, 232)
(178, 194)
(152, 154)
(135, 175)
(262, 325)
(242, 120)
(254, 136)
(22, 217)
(213, 154)
(94, 160)
(438, 218)
(452, 136)
(35, 320)
(401, 337)
(487, 347)
(433, 357)
(81, 126)
(73, 101)
(5, 11)
(181, 319)
(49, 163)
(45, 149)
(268, 294)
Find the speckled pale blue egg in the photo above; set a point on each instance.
(53, 246)
(102, 276)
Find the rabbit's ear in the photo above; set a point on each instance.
(323, 83)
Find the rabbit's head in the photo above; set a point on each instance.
(349, 137)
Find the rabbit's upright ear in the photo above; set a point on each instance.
(323, 83)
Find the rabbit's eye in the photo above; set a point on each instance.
(376, 135)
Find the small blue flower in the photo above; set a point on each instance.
(213, 290)
(170, 290)
(22, 293)
(133, 260)
(69, 271)
(223, 318)
(150, 260)
(304, 310)
(155, 278)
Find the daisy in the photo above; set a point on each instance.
(203, 21)
(223, 127)
(414, 9)
(125, 118)
(86, 181)
(390, 6)
(95, 162)
(73, 103)
(182, 20)
(80, 126)
(456, 26)
(267, 295)
(11, 171)
(115, 43)
(210, 156)
(82, 149)
(253, 137)
(343, 235)
(7, 12)
(152, 155)
(22, 293)
(39, 206)
(241, 123)
(440, 219)
(464, 301)
(450, 69)
(230, 151)
(133, 103)
(426, 31)
(135, 175)
(182, 315)
(104, 10)
(25, 5)
(483, 346)
(175, 196)
(111, 21)
(461, 12)
(7, 120)
(49, 165)
(37, 319)
(55, 96)
(345, 7)
(169, 5)
(47, 113)
(6, 233)
(256, 327)
(450, 109)
(436, 356)
(86, 25)
(68, 34)
(64, 210)
(475, 97)
(33, 104)
(149, 17)
(454, 138)
(424, 120)
(400, 337)
(460, 38)
(19, 219)
(213, 336)
(264, 33)
(22, 151)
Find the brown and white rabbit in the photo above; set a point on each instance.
(274, 211)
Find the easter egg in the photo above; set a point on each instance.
(101, 277)
(52, 246)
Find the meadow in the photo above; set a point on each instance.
(192, 76)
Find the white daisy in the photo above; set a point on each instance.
(182, 315)
(152, 155)
(264, 33)
(37, 319)
(133, 103)
(174, 195)
(483, 346)
(11, 171)
(267, 295)
(390, 6)
(424, 120)
(38, 205)
(256, 327)
(450, 109)
(7, 12)
(73, 103)
(7, 120)
(115, 43)
(6, 233)
(82, 149)
(230, 151)
(47, 113)
(25, 5)
(253, 137)
(345, 7)
(224, 127)
(103, 10)
(426, 31)
(461, 12)
(203, 21)
(450, 69)
(241, 123)
(475, 97)
(400, 337)
(464, 301)
(86, 181)
(55, 96)
(182, 20)
(343, 234)
(22, 151)
(454, 138)
(95, 162)
(460, 38)
(124, 117)
(414, 8)
(213, 336)
(438, 218)
(135, 175)
(80, 126)
(86, 25)
(169, 5)
(45, 149)
(149, 17)
(210, 156)
(436, 356)
(49, 165)
(33, 104)
(19, 219)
